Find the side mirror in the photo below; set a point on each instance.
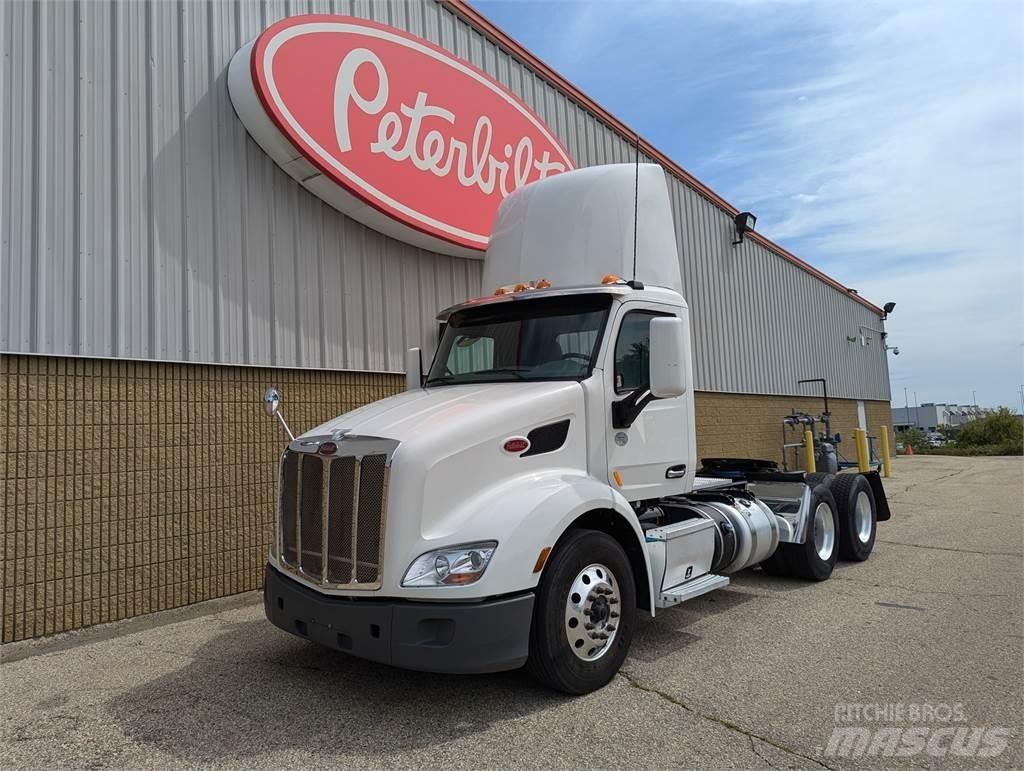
(272, 406)
(413, 369)
(272, 401)
(669, 345)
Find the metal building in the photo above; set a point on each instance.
(159, 269)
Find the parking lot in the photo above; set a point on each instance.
(759, 674)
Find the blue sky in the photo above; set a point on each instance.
(881, 142)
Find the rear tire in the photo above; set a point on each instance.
(588, 570)
(814, 559)
(858, 516)
(815, 478)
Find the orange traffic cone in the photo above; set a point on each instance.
(910, 449)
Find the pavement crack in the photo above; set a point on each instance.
(756, 751)
(751, 736)
(950, 548)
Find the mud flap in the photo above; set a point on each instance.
(882, 511)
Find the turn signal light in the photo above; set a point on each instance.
(541, 559)
(543, 284)
(611, 278)
(500, 291)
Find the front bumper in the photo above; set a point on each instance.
(489, 636)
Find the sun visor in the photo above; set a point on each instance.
(576, 227)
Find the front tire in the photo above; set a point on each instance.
(585, 614)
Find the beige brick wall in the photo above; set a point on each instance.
(133, 487)
(750, 426)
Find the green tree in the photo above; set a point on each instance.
(914, 437)
(1002, 428)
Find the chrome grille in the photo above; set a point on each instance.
(311, 514)
(339, 525)
(371, 506)
(289, 493)
(331, 511)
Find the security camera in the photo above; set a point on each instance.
(896, 351)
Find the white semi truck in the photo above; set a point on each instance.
(539, 486)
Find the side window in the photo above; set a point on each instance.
(632, 351)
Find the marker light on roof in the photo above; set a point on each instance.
(543, 284)
(611, 278)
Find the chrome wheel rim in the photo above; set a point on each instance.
(824, 531)
(862, 519)
(592, 612)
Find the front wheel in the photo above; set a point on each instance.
(585, 614)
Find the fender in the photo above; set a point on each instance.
(525, 515)
(622, 507)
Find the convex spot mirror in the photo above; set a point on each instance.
(272, 401)
(669, 346)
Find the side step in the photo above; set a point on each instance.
(698, 586)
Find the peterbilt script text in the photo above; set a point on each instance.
(432, 151)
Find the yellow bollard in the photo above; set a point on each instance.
(863, 461)
(809, 452)
(886, 460)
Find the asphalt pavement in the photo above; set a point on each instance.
(915, 657)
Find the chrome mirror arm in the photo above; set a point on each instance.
(291, 436)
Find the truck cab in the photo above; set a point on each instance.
(537, 486)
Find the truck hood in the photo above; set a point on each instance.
(450, 464)
(478, 409)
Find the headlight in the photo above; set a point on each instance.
(451, 566)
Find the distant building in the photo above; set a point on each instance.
(929, 416)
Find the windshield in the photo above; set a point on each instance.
(554, 338)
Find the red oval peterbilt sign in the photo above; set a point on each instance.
(390, 129)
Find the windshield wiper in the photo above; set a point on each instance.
(517, 371)
(471, 377)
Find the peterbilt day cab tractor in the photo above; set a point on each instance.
(539, 486)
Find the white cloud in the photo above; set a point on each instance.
(898, 166)
(881, 142)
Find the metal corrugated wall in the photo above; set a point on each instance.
(138, 220)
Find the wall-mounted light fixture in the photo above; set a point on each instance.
(744, 222)
(888, 308)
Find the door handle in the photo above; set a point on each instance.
(675, 472)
